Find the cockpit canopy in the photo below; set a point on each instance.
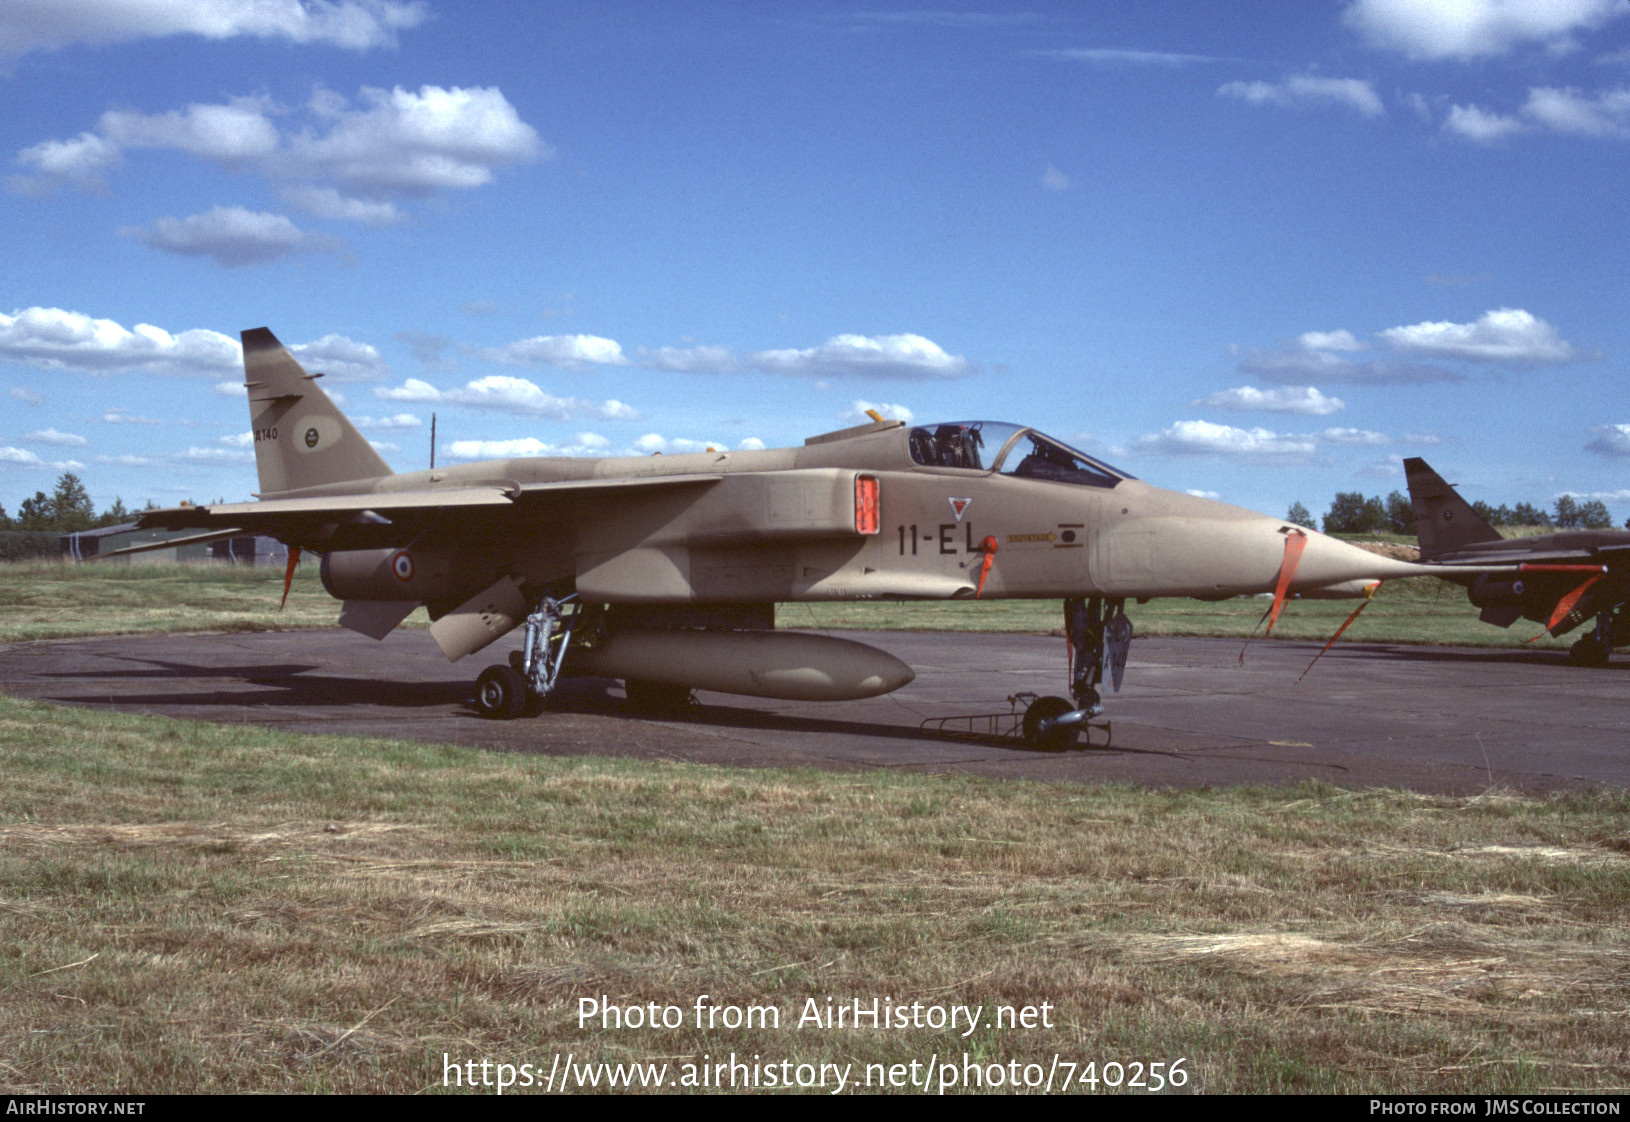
(1010, 450)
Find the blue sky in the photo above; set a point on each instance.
(1259, 251)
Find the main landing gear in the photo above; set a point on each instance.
(1100, 635)
(524, 685)
(503, 692)
(1612, 629)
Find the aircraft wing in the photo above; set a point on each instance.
(285, 510)
(278, 517)
(568, 488)
(170, 543)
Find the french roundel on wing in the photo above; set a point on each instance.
(402, 566)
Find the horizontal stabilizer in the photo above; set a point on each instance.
(190, 539)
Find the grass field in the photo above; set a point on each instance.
(55, 601)
(188, 907)
(51, 600)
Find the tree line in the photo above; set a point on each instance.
(1352, 513)
(66, 510)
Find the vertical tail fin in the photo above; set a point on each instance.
(301, 437)
(1444, 521)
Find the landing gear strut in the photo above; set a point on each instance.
(1100, 634)
(503, 692)
(1596, 648)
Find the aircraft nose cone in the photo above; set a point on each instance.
(1186, 546)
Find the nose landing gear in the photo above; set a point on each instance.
(1098, 639)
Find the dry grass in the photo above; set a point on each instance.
(192, 908)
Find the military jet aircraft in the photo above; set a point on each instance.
(1561, 580)
(664, 570)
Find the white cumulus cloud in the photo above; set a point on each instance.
(411, 390)
(411, 143)
(574, 352)
(691, 360)
(394, 423)
(1567, 110)
(655, 442)
(901, 357)
(1299, 365)
(233, 236)
(24, 458)
(1610, 440)
(1353, 437)
(21, 456)
(584, 444)
(1281, 399)
(1467, 29)
(82, 161)
(38, 25)
(502, 393)
(218, 455)
(234, 132)
(1605, 115)
(344, 360)
(859, 411)
(121, 416)
(1305, 90)
(52, 436)
(326, 202)
(1509, 336)
(56, 338)
(1481, 126)
(1202, 438)
(1328, 341)
(339, 161)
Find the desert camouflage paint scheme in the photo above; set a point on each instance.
(1560, 580)
(664, 570)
